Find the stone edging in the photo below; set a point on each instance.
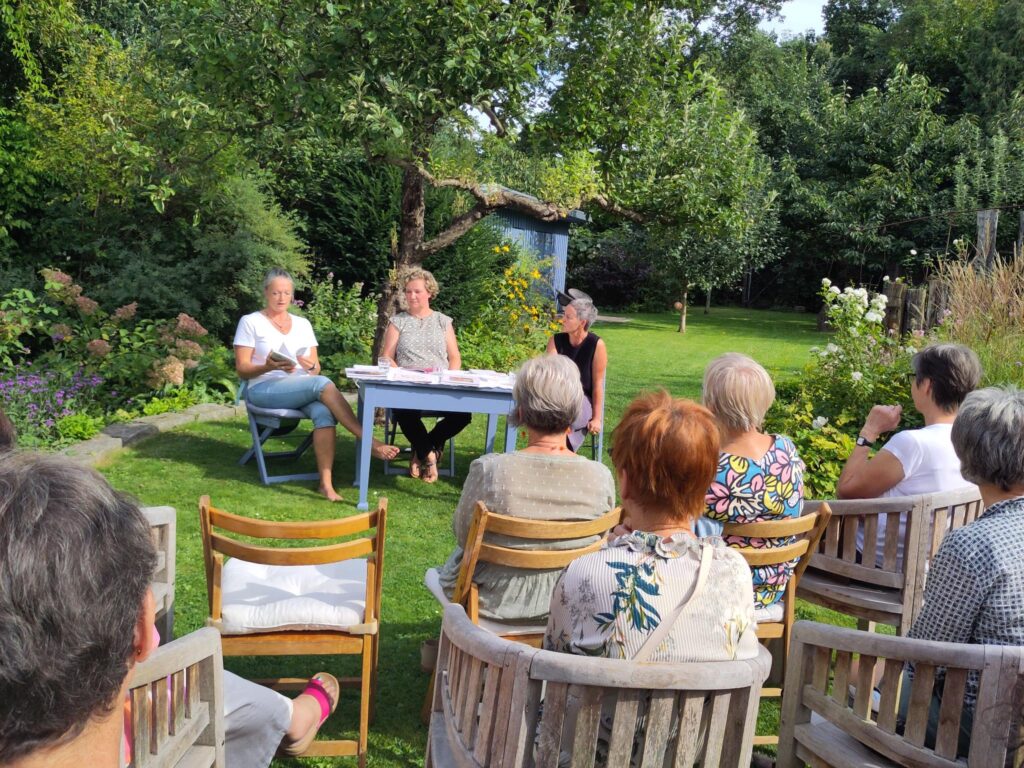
(114, 437)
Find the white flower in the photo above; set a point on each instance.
(854, 332)
(831, 349)
(834, 290)
(872, 317)
(881, 300)
(819, 422)
(856, 375)
(885, 279)
(826, 282)
(913, 252)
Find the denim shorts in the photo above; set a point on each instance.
(297, 392)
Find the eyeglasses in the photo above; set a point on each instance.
(911, 376)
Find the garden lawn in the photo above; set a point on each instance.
(176, 468)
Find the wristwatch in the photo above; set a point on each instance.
(864, 442)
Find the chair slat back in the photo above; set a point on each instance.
(486, 522)
(820, 674)
(487, 705)
(808, 527)
(163, 522)
(177, 704)
(216, 546)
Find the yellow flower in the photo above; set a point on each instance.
(498, 250)
(535, 274)
(505, 248)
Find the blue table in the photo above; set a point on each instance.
(379, 393)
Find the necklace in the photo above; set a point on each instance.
(276, 324)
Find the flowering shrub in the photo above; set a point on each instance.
(515, 324)
(76, 365)
(863, 364)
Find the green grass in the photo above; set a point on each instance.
(176, 468)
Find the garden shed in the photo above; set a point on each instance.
(547, 240)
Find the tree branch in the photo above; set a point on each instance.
(612, 207)
(499, 126)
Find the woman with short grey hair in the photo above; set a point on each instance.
(543, 481)
(588, 351)
(975, 588)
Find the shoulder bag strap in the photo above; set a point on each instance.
(661, 631)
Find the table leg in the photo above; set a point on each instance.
(359, 442)
(363, 462)
(510, 436)
(492, 430)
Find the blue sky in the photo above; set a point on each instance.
(797, 17)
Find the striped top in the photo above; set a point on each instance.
(608, 602)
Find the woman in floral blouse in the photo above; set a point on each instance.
(759, 476)
(609, 602)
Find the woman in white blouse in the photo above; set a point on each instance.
(610, 602)
(281, 384)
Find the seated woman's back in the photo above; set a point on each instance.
(608, 603)
(562, 487)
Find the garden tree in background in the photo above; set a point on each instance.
(397, 79)
(855, 30)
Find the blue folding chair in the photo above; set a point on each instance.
(265, 423)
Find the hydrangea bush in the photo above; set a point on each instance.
(863, 364)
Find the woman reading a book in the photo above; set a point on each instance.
(275, 351)
(419, 337)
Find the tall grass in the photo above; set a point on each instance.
(985, 311)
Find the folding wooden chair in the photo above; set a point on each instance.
(312, 600)
(177, 705)
(776, 622)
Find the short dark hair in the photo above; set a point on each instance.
(953, 369)
(8, 435)
(668, 449)
(76, 558)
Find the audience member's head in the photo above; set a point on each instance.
(666, 449)
(418, 273)
(548, 394)
(988, 437)
(8, 435)
(953, 370)
(76, 558)
(738, 391)
(585, 311)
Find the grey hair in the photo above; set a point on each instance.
(953, 369)
(988, 436)
(275, 272)
(548, 394)
(585, 311)
(76, 559)
(738, 391)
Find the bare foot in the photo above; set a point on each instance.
(414, 468)
(329, 493)
(383, 450)
(430, 469)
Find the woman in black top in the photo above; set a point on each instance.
(588, 351)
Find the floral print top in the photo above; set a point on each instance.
(608, 602)
(750, 491)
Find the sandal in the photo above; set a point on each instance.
(323, 687)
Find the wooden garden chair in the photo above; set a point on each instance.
(163, 523)
(477, 550)
(776, 622)
(825, 724)
(882, 584)
(499, 703)
(312, 600)
(177, 705)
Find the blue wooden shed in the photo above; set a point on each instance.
(548, 240)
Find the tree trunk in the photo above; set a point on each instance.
(707, 301)
(406, 253)
(988, 223)
(682, 309)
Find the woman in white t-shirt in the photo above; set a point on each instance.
(281, 384)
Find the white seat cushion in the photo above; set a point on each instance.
(432, 581)
(771, 614)
(277, 413)
(261, 598)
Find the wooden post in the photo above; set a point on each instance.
(1019, 253)
(988, 224)
(895, 293)
(936, 303)
(915, 316)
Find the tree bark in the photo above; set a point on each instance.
(682, 310)
(988, 223)
(707, 301)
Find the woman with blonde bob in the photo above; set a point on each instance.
(543, 481)
(759, 476)
(419, 337)
(610, 603)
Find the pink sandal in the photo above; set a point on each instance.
(323, 687)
